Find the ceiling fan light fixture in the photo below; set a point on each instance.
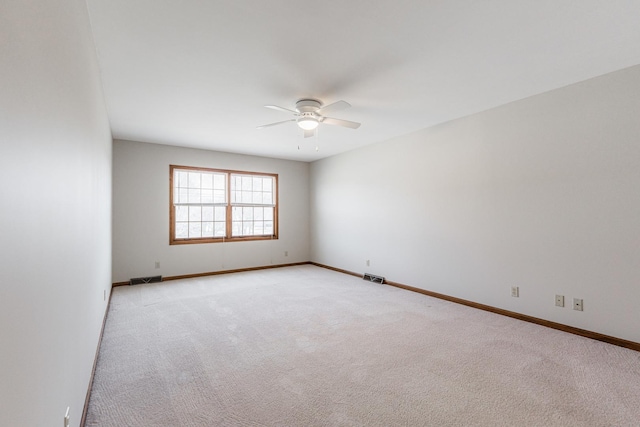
(307, 122)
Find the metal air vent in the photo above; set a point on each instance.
(141, 280)
(373, 278)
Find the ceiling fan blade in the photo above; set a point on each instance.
(336, 106)
(309, 133)
(276, 123)
(340, 122)
(286, 110)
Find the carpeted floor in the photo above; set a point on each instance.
(306, 346)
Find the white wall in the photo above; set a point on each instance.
(55, 210)
(141, 213)
(543, 193)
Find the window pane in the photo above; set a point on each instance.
(267, 199)
(195, 213)
(268, 214)
(207, 213)
(258, 213)
(247, 214)
(207, 196)
(257, 197)
(182, 230)
(267, 184)
(220, 213)
(182, 213)
(236, 182)
(220, 229)
(268, 227)
(183, 196)
(182, 179)
(236, 213)
(207, 180)
(246, 197)
(194, 195)
(218, 196)
(219, 182)
(194, 179)
(195, 229)
(246, 183)
(257, 184)
(247, 228)
(236, 228)
(258, 228)
(207, 229)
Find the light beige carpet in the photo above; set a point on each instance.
(306, 346)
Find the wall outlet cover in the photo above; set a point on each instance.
(560, 300)
(577, 304)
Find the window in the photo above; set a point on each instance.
(211, 205)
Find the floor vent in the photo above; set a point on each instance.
(141, 280)
(373, 278)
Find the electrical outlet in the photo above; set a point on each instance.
(66, 418)
(286, 253)
(559, 300)
(368, 263)
(157, 264)
(515, 291)
(577, 304)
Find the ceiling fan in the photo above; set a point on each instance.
(309, 113)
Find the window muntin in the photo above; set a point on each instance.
(210, 205)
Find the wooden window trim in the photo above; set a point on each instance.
(229, 207)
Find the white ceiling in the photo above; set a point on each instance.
(197, 73)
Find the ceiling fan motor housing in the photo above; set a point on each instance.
(308, 105)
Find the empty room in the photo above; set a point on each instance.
(286, 213)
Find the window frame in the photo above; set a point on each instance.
(229, 208)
